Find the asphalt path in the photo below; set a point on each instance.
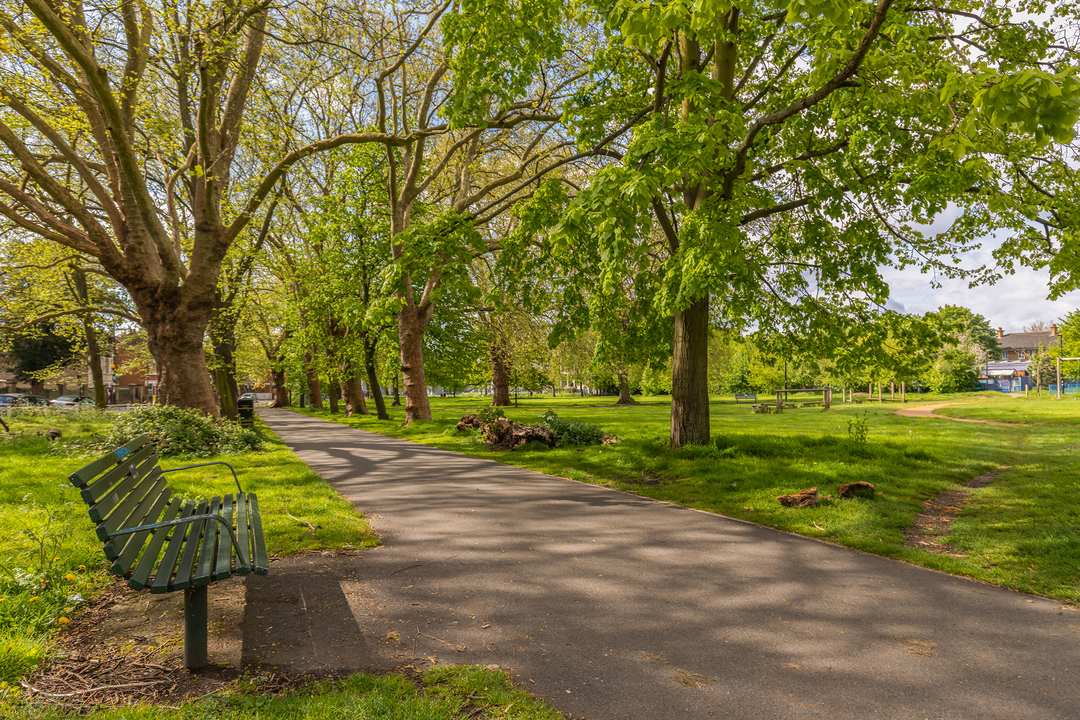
(613, 606)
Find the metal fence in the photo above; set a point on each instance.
(1070, 387)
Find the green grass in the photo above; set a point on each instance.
(1025, 519)
(441, 693)
(1042, 410)
(49, 553)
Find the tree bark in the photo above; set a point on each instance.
(354, 394)
(334, 391)
(624, 389)
(93, 351)
(313, 384)
(175, 325)
(500, 376)
(224, 338)
(281, 390)
(689, 378)
(370, 345)
(411, 326)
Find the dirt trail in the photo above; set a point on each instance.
(927, 411)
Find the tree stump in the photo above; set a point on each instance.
(856, 489)
(802, 499)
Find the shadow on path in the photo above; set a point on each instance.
(614, 606)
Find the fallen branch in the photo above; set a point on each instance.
(6, 428)
(31, 688)
(313, 527)
(457, 648)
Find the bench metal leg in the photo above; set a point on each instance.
(195, 627)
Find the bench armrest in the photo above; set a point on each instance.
(244, 560)
(216, 462)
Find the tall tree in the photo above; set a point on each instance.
(788, 153)
(122, 130)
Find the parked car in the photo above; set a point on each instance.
(10, 400)
(253, 397)
(68, 402)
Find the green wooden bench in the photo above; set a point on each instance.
(157, 541)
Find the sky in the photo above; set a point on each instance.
(1011, 303)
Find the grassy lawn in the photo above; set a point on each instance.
(50, 561)
(1043, 410)
(1018, 532)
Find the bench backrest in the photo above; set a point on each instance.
(124, 489)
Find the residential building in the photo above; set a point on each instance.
(1013, 370)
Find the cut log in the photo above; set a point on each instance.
(471, 421)
(802, 499)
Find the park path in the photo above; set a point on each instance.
(927, 411)
(617, 607)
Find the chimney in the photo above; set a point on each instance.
(1053, 329)
(1000, 334)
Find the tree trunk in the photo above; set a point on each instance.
(354, 394)
(334, 391)
(314, 387)
(223, 335)
(411, 326)
(175, 327)
(624, 389)
(93, 352)
(281, 390)
(689, 378)
(370, 345)
(500, 376)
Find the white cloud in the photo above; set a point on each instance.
(1011, 303)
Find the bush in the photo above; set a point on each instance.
(179, 431)
(572, 432)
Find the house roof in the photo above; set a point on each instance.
(1028, 340)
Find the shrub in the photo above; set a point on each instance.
(181, 431)
(572, 432)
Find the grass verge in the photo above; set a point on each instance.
(1017, 532)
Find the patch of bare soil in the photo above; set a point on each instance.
(932, 524)
(127, 647)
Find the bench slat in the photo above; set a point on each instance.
(126, 515)
(172, 552)
(243, 538)
(154, 504)
(185, 572)
(209, 547)
(80, 478)
(100, 509)
(100, 488)
(149, 558)
(223, 564)
(259, 560)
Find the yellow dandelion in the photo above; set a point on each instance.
(69, 576)
(33, 598)
(62, 620)
(82, 567)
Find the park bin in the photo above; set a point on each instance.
(245, 411)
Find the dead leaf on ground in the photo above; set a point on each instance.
(916, 646)
(689, 679)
